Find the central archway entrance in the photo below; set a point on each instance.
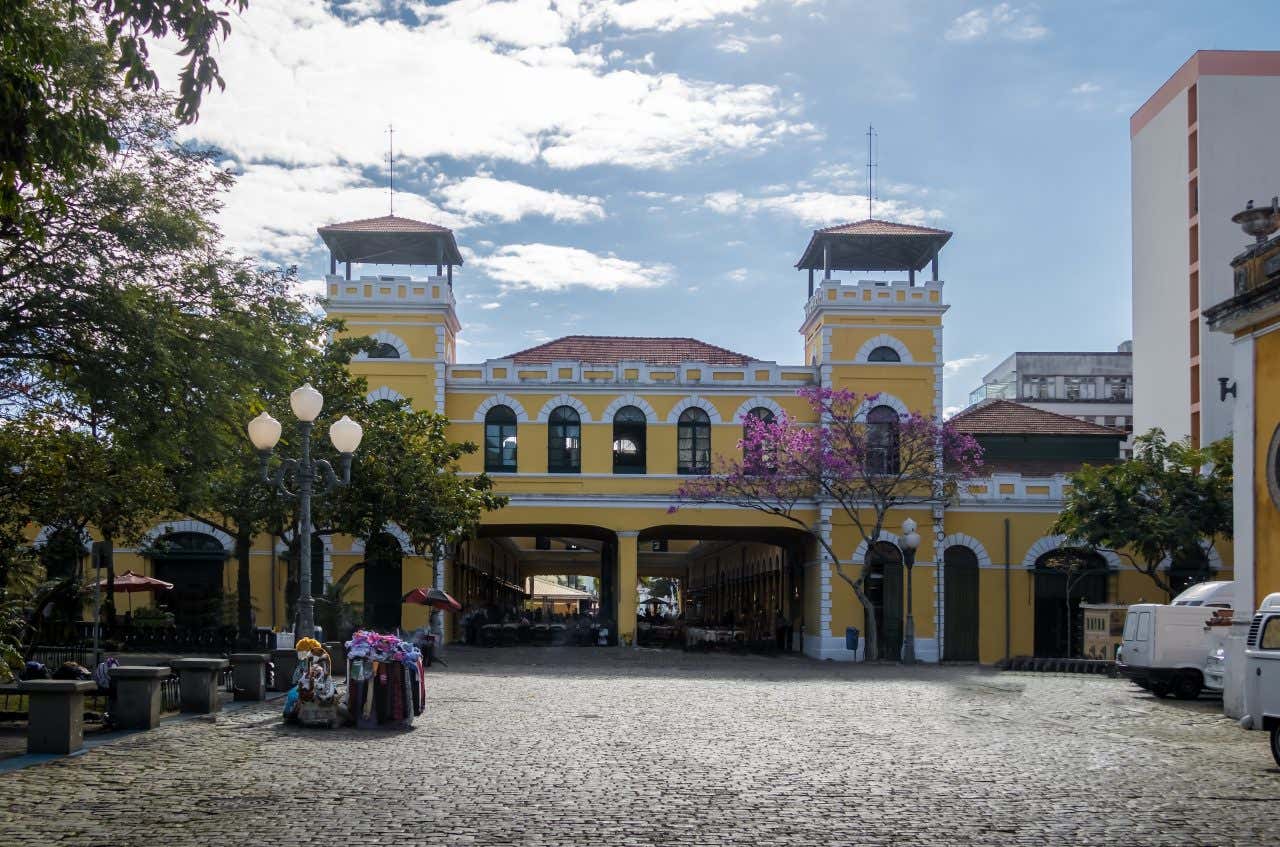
(193, 562)
(1065, 578)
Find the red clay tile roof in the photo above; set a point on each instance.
(875, 226)
(386, 223)
(1005, 417)
(611, 349)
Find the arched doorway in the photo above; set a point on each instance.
(383, 584)
(884, 590)
(193, 562)
(960, 604)
(1064, 578)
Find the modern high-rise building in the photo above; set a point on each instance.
(1090, 386)
(1200, 148)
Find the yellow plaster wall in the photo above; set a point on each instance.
(847, 340)
(1266, 535)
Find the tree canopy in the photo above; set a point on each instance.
(1162, 506)
(64, 65)
(865, 467)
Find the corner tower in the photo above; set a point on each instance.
(414, 321)
(877, 336)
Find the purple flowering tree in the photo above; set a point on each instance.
(856, 457)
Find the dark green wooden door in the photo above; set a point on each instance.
(960, 606)
(884, 589)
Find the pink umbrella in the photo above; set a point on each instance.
(433, 597)
(130, 582)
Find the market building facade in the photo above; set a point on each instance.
(590, 437)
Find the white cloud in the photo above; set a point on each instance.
(819, 208)
(743, 43)
(954, 366)
(664, 15)
(548, 267)
(487, 306)
(1086, 88)
(506, 201)
(473, 80)
(950, 411)
(737, 275)
(999, 21)
(273, 211)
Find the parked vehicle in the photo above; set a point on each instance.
(1165, 648)
(1262, 672)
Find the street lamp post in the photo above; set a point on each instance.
(910, 541)
(264, 432)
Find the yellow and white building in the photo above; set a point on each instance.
(590, 436)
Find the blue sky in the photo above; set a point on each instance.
(655, 167)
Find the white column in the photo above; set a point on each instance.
(1233, 697)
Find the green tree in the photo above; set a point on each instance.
(221, 483)
(63, 65)
(406, 472)
(1161, 505)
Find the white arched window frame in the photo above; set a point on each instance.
(384, 337)
(503, 400)
(630, 400)
(694, 402)
(758, 402)
(562, 400)
(864, 352)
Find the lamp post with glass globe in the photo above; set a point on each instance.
(910, 541)
(264, 432)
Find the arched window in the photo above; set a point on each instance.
(384, 351)
(693, 442)
(882, 440)
(628, 440)
(755, 463)
(500, 440)
(564, 440)
(884, 354)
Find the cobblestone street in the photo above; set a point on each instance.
(587, 747)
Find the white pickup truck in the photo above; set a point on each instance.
(1165, 647)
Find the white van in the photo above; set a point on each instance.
(1262, 672)
(1165, 647)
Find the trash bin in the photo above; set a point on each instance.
(851, 638)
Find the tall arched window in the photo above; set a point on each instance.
(384, 351)
(628, 440)
(564, 440)
(693, 442)
(500, 440)
(882, 440)
(755, 462)
(884, 354)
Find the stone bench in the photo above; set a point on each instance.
(55, 714)
(138, 695)
(198, 684)
(249, 676)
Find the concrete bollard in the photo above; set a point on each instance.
(286, 662)
(249, 676)
(338, 653)
(55, 714)
(198, 684)
(137, 695)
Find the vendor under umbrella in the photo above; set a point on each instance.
(131, 583)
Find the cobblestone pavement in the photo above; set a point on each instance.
(585, 747)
